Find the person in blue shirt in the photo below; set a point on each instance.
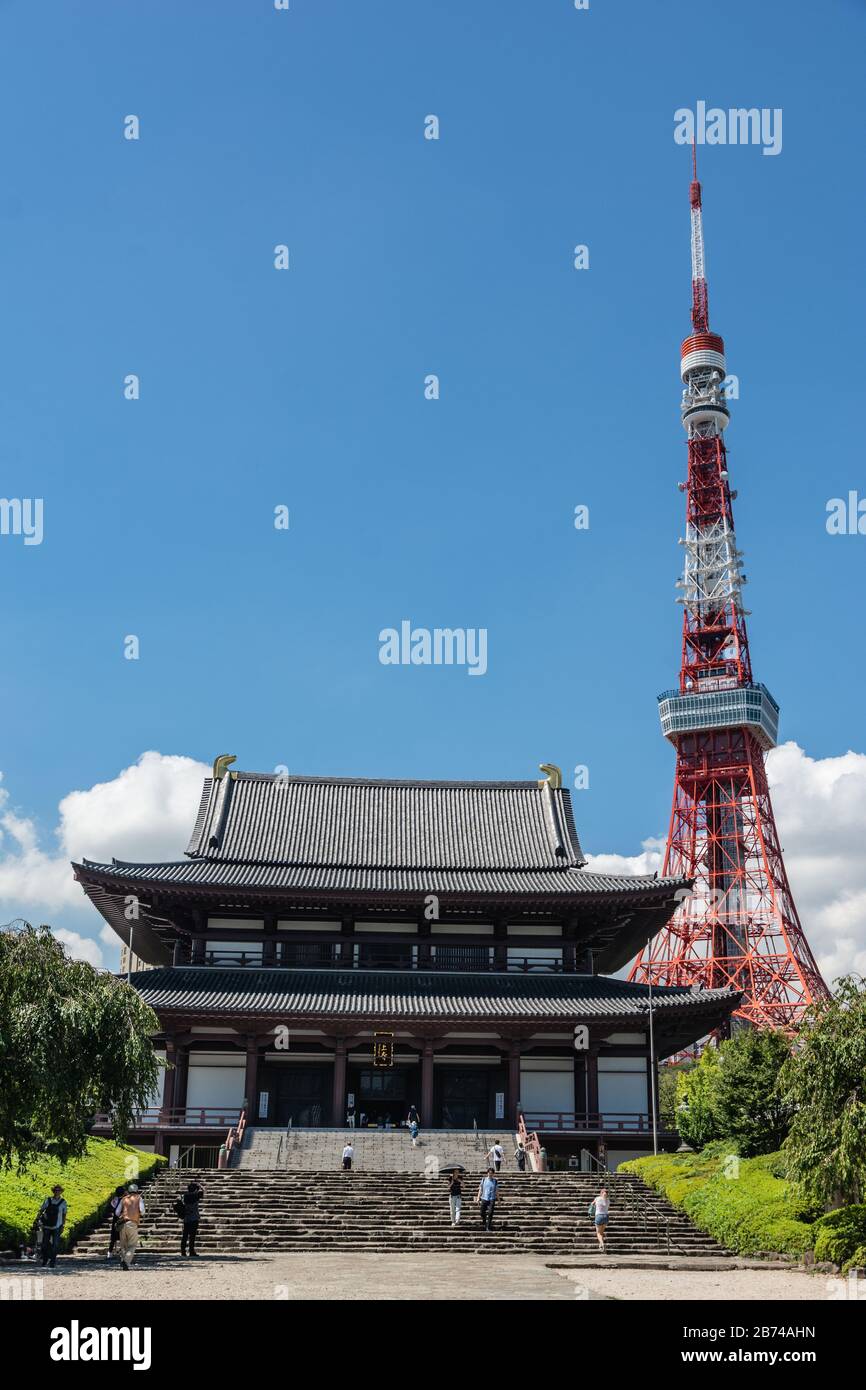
(488, 1191)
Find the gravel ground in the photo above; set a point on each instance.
(364, 1277)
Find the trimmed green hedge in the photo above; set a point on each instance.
(747, 1204)
(840, 1236)
(88, 1184)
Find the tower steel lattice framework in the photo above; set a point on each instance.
(740, 926)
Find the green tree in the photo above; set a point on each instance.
(74, 1041)
(697, 1120)
(747, 1103)
(824, 1082)
(668, 1077)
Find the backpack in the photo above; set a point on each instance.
(180, 1209)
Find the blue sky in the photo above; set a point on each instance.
(305, 387)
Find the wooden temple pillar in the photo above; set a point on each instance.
(500, 945)
(512, 1095)
(170, 1074)
(592, 1080)
(427, 1084)
(251, 1079)
(338, 1103)
(181, 1077)
(269, 946)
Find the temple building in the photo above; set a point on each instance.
(330, 943)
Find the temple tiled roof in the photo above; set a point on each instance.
(324, 822)
(413, 994)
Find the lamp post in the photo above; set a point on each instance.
(652, 1058)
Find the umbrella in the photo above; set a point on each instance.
(447, 1168)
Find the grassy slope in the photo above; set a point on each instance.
(749, 1206)
(88, 1184)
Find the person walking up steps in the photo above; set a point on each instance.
(488, 1191)
(598, 1211)
(413, 1133)
(455, 1196)
(52, 1215)
(129, 1213)
(191, 1201)
(496, 1155)
(520, 1157)
(348, 1155)
(114, 1235)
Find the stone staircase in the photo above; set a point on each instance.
(376, 1150)
(257, 1211)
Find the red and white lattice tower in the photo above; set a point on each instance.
(740, 926)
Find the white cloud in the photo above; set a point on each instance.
(146, 812)
(820, 809)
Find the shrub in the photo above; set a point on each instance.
(840, 1234)
(743, 1203)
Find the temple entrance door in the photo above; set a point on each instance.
(301, 1094)
(462, 1095)
(384, 1094)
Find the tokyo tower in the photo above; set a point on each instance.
(740, 925)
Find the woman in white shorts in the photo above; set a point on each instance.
(599, 1213)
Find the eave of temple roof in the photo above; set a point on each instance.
(360, 879)
(419, 995)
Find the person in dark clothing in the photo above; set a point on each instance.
(191, 1202)
(455, 1196)
(113, 1238)
(52, 1215)
(520, 1157)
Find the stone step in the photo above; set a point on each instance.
(260, 1211)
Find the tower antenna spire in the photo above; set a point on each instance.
(700, 299)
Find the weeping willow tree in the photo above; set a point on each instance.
(74, 1042)
(824, 1083)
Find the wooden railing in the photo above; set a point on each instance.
(234, 1139)
(187, 1117)
(290, 957)
(530, 1142)
(575, 1122)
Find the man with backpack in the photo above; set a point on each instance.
(187, 1208)
(114, 1204)
(52, 1217)
(495, 1155)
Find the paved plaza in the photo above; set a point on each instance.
(408, 1277)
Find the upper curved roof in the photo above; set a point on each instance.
(266, 818)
